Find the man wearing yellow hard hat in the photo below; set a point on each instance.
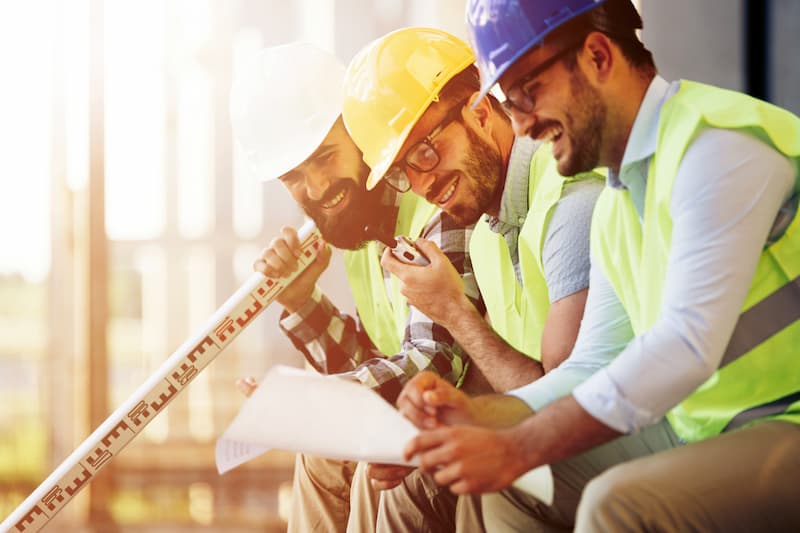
(412, 106)
(285, 111)
(694, 303)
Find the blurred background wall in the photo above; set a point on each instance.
(127, 217)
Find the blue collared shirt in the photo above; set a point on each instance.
(727, 192)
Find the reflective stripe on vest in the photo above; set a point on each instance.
(760, 375)
(766, 318)
(383, 312)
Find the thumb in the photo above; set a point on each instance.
(429, 248)
(442, 397)
(322, 260)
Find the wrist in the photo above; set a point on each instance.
(303, 305)
(459, 313)
(293, 305)
(523, 457)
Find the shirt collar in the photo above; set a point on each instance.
(644, 133)
(514, 202)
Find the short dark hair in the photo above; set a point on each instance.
(464, 84)
(619, 20)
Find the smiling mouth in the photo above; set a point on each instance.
(336, 200)
(442, 198)
(552, 134)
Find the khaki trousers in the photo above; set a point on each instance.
(336, 496)
(418, 504)
(331, 496)
(745, 480)
(516, 510)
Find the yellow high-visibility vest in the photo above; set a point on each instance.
(760, 373)
(517, 313)
(384, 314)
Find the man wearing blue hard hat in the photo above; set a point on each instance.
(694, 300)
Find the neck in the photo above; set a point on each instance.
(504, 138)
(622, 114)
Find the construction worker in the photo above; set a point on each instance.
(285, 111)
(420, 129)
(695, 265)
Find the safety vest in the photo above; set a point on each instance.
(759, 376)
(384, 314)
(517, 313)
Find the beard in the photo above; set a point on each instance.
(585, 126)
(482, 176)
(347, 229)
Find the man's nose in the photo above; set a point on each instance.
(421, 182)
(317, 184)
(522, 122)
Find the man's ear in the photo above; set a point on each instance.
(482, 112)
(597, 54)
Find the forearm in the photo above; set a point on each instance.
(309, 329)
(559, 431)
(504, 367)
(499, 411)
(388, 375)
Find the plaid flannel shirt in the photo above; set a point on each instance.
(336, 343)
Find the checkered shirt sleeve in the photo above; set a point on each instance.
(336, 343)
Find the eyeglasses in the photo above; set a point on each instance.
(518, 95)
(422, 157)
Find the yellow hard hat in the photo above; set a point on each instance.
(390, 83)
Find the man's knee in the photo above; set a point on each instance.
(612, 499)
(328, 475)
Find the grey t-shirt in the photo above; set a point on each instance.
(565, 253)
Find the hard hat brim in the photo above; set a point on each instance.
(379, 169)
(299, 152)
(484, 59)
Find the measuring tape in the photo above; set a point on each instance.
(153, 395)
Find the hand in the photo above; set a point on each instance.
(435, 289)
(469, 459)
(246, 385)
(280, 259)
(429, 401)
(385, 477)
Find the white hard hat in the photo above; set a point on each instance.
(283, 103)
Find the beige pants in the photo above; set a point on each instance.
(336, 496)
(420, 505)
(745, 480)
(331, 496)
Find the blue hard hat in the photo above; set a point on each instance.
(500, 31)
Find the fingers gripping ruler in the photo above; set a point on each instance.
(171, 378)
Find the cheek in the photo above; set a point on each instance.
(416, 186)
(297, 193)
(345, 168)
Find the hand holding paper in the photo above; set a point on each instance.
(304, 411)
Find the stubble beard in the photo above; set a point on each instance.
(584, 127)
(483, 168)
(347, 230)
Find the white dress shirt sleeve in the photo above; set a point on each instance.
(726, 194)
(604, 333)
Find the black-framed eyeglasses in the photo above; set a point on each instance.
(518, 96)
(423, 156)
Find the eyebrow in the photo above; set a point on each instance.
(319, 151)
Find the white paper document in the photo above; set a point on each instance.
(303, 411)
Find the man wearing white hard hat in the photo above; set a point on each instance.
(285, 111)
